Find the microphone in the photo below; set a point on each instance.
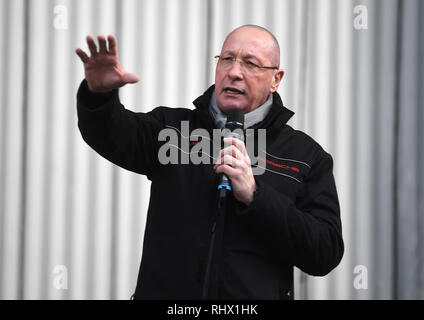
(235, 120)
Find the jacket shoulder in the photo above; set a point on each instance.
(169, 114)
(304, 145)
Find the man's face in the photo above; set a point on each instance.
(234, 86)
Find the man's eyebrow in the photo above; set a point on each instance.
(246, 56)
(228, 52)
(251, 56)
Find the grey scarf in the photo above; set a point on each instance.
(250, 119)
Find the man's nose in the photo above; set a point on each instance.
(236, 70)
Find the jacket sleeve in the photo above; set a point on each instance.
(126, 138)
(307, 232)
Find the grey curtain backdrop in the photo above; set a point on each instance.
(71, 224)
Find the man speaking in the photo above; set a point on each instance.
(196, 245)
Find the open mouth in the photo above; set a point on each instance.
(232, 90)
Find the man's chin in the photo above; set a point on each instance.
(225, 107)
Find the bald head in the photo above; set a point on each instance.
(268, 36)
(248, 69)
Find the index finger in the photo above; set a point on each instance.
(113, 47)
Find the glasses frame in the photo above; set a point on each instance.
(218, 57)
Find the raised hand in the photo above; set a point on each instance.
(103, 71)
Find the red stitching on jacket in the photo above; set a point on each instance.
(278, 165)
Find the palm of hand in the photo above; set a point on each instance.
(103, 71)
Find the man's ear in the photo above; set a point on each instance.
(276, 79)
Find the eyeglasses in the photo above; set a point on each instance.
(247, 65)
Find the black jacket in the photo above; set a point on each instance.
(294, 219)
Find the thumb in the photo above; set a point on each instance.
(130, 78)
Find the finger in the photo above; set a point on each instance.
(221, 159)
(92, 46)
(238, 143)
(229, 171)
(233, 172)
(232, 150)
(235, 152)
(102, 44)
(231, 161)
(231, 156)
(113, 47)
(218, 161)
(83, 56)
(130, 78)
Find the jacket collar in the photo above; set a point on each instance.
(277, 116)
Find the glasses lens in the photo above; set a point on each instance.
(250, 67)
(246, 65)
